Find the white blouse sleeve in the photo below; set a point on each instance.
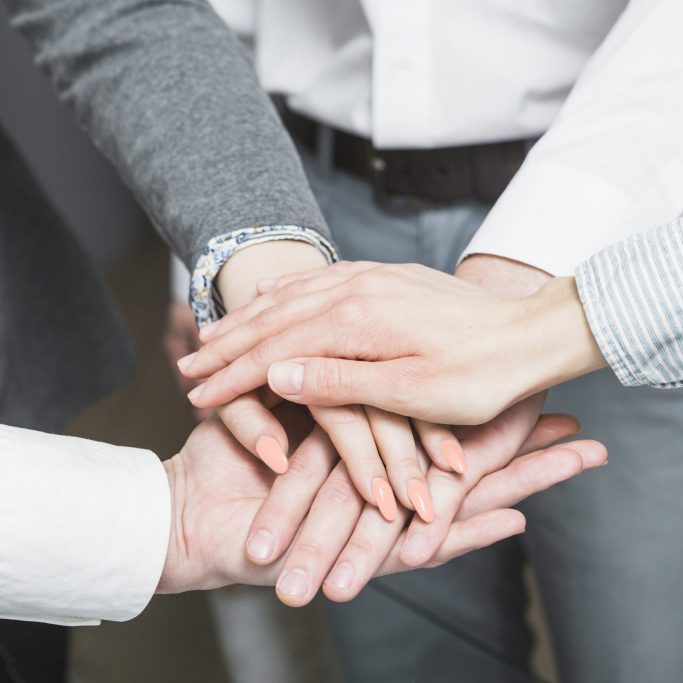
(84, 528)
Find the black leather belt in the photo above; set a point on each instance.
(433, 176)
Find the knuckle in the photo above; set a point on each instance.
(360, 546)
(290, 290)
(274, 514)
(384, 272)
(301, 467)
(340, 492)
(310, 547)
(264, 320)
(238, 411)
(350, 312)
(407, 464)
(442, 479)
(518, 478)
(371, 279)
(343, 416)
(263, 354)
(212, 354)
(327, 378)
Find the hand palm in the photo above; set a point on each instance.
(221, 487)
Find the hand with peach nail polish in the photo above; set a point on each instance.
(380, 451)
(332, 539)
(379, 448)
(223, 498)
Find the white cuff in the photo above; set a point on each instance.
(554, 217)
(84, 528)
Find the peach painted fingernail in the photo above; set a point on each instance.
(185, 362)
(195, 394)
(384, 497)
(455, 456)
(294, 583)
(421, 500)
(261, 545)
(270, 451)
(342, 576)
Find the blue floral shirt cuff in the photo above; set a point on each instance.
(205, 299)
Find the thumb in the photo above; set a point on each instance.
(549, 429)
(337, 382)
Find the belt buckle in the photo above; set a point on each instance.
(378, 167)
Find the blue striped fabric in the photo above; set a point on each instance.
(632, 293)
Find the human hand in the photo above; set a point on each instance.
(403, 338)
(342, 543)
(378, 447)
(181, 337)
(217, 489)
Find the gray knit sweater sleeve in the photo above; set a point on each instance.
(165, 91)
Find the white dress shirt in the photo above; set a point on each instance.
(84, 528)
(607, 87)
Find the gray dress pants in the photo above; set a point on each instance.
(607, 547)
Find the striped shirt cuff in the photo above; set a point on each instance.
(207, 304)
(632, 293)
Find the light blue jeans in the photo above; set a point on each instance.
(607, 547)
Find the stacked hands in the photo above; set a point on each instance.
(366, 475)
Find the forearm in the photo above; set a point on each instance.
(165, 91)
(560, 345)
(551, 337)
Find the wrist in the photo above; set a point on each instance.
(237, 279)
(502, 276)
(561, 341)
(170, 581)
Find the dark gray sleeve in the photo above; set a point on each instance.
(165, 91)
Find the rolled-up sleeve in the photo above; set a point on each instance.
(84, 528)
(632, 293)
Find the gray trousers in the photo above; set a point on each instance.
(606, 548)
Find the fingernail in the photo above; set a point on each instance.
(384, 497)
(270, 451)
(342, 576)
(452, 451)
(266, 284)
(207, 330)
(185, 362)
(294, 582)
(421, 500)
(196, 392)
(261, 545)
(415, 547)
(286, 378)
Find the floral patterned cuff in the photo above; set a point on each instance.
(207, 304)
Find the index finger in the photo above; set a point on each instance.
(318, 337)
